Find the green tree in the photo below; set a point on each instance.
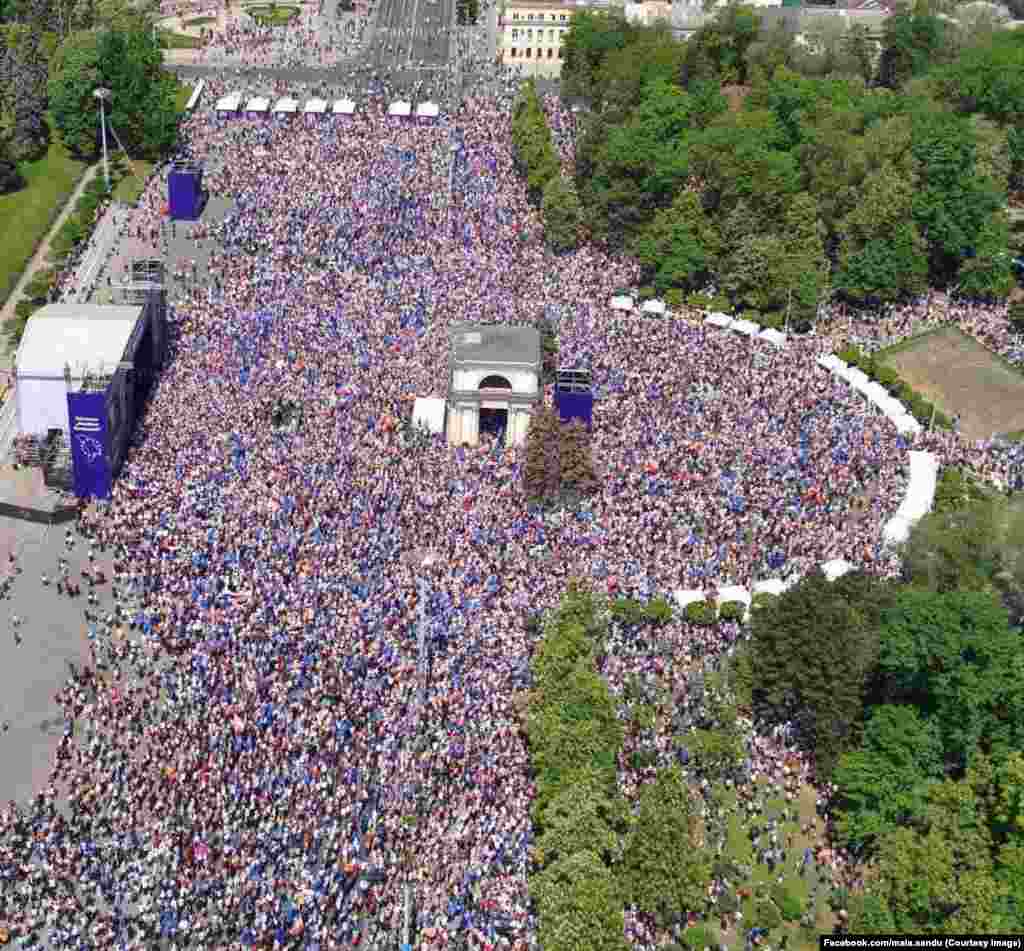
(680, 246)
(955, 549)
(592, 36)
(560, 208)
(142, 104)
(10, 178)
(986, 77)
(954, 656)
(988, 274)
(580, 906)
(814, 648)
(542, 467)
(664, 872)
(718, 50)
(913, 41)
(577, 468)
(884, 784)
(585, 816)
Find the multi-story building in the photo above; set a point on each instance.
(531, 34)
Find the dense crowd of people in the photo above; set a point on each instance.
(252, 764)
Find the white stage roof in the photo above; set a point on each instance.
(427, 110)
(774, 586)
(400, 108)
(316, 106)
(286, 104)
(746, 327)
(622, 302)
(653, 307)
(257, 104)
(72, 333)
(428, 413)
(230, 103)
(718, 320)
(344, 107)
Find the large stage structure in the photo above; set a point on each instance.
(494, 382)
(84, 371)
(574, 395)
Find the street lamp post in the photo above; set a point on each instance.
(103, 95)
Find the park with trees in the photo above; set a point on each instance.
(747, 170)
(906, 695)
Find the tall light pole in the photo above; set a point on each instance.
(103, 95)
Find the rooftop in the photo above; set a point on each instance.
(73, 334)
(495, 343)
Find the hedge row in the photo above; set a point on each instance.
(918, 407)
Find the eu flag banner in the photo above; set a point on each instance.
(90, 444)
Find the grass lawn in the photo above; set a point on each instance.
(959, 375)
(179, 41)
(26, 215)
(130, 187)
(273, 16)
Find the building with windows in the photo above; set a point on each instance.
(531, 33)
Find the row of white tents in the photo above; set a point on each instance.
(656, 308)
(257, 106)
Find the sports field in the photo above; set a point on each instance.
(960, 375)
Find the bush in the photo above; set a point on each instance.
(698, 301)
(722, 304)
(674, 298)
(658, 611)
(732, 610)
(644, 759)
(646, 292)
(903, 393)
(25, 308)
(1016, 315)
(38, 289)
(628, 611)
(773, 320)
(700, 613)
(790, 906)
(752, 315)
(766, 915)
(698, 938)
(762, 599)
(888, 377)
(851, 355)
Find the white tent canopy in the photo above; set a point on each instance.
(718, 320)
(836, 568)
(257, 104)
(428, 413)
(400, 108)
(344, 107)
(229, 103)
(653, 307)
(286, 105)
(924, 470)
(196, 93)
(875, 392)
(896, 530)
(831, 362)
(774, 586)
(622, 302)
(905, 424)
(746, 327)
(733, 593)
(316, 106)
(684, 598)
(427, 110)
(775, 337)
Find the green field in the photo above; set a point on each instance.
(179, 41)
(273, 15)
(26, 215)
(130, 187)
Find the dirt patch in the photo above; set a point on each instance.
(960, 375)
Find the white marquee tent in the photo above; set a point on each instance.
(427, 110)
(746, 327)
(344, 107)
(258, 105)
(286, 106)
(428, 413)
(653, 307)
(723, 321)
(230, 103)
(400, 108)
(775, 337)
(622, 302)
(316, 107)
